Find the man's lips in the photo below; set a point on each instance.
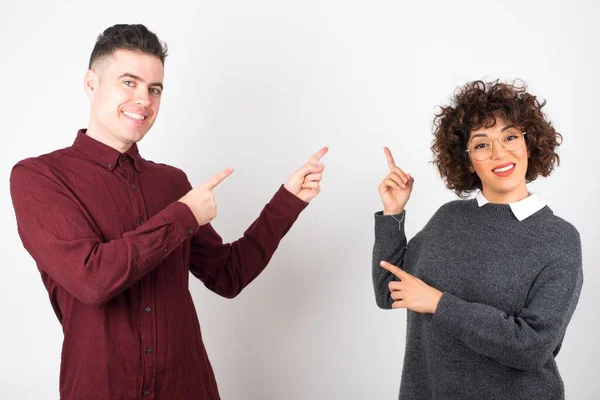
(138, 116)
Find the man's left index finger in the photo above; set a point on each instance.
(317, 156)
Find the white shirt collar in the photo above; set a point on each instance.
(521, 209)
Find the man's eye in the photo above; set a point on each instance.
(129, 83)
(155, 91)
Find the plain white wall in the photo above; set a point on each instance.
(260, 86)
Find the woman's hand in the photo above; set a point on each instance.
(411, 292)
(396, 187)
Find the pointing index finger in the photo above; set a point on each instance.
(218, 178)
(390, 158)
(317, 156)
(393, 269)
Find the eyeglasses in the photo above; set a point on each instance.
(481, 149)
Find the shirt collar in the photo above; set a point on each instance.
(103, 154)
(521, 209)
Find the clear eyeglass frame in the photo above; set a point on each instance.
(491, 150)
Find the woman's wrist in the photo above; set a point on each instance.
(392, 212)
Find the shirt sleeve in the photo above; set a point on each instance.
(61, 237)
(390, 245)
(525, 341)
(227, 268)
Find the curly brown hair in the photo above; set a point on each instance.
(478, 104)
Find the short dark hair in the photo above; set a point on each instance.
(478, 104)
(136, 38)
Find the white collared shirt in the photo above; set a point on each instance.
(521, 209)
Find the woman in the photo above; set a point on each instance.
(490, 283)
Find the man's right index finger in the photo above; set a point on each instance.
(390, 158)
(218, 178)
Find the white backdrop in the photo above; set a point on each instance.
(261, 85)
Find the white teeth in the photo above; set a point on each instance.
(508, 167)
(133, 115)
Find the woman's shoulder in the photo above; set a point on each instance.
(456, 206)
(555, 225)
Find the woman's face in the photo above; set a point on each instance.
(502, 174)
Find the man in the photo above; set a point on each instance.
(114, 236)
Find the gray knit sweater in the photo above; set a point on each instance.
(510, 289)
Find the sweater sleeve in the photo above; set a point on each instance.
(390, 245)
(525, 341)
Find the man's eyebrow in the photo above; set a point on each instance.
(137, 78)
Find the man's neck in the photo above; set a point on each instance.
(103, 136)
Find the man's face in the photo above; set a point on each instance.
(125, 91)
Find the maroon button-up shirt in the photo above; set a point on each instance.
(114, 247)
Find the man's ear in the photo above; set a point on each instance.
(90, 83)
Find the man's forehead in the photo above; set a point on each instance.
(131, 62)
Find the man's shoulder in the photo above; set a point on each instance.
(45, 162)
(167, 170)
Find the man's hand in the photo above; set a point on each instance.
(411, 292)
(305, 182)
(201, 200)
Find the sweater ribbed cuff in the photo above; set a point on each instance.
(389, 227)
(449, 314)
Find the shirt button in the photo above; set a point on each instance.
(146, 392)
(165, 250)
(140, 222)
(123, 159)
(109, 165)
(133, 186)
(190, 231)
(148, 309)
(148, 350)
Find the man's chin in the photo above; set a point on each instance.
(134, 136)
